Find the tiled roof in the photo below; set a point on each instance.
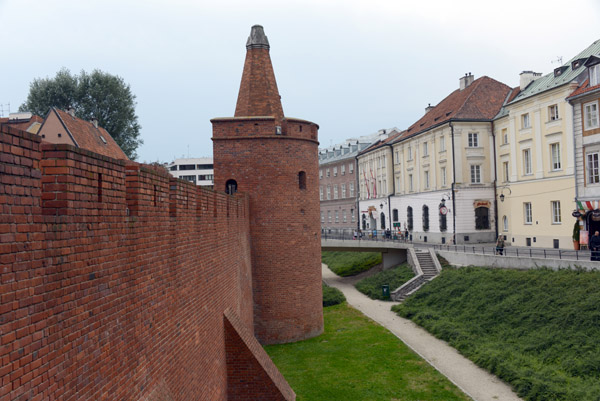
(567, 74)
(24, 124)
(381, 143)
(584, 88)
(88, 137)
(479, 101)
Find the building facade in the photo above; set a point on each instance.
(200, 171)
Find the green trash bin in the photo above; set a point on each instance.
(385, 291)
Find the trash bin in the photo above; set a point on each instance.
(385, 291)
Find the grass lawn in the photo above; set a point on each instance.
(371, 286)
(350, 263)
(539, 330)
(355, 360)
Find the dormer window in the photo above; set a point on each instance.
(595, 75)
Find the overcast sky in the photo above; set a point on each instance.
(352, 67)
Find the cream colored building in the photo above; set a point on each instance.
(536, 158)
(444, 167)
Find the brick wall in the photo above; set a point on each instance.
(114, 281)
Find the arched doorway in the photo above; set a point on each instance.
(231, 187)
(592, 219)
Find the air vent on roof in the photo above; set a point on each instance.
(102, 138)
(448, 113)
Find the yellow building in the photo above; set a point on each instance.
(535, 157)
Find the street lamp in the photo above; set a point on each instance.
(502, 196)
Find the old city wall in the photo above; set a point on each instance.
(119, 282)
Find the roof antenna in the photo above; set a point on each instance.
(557, 61)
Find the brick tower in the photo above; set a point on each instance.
(274, 159)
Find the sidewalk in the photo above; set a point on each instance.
(472, 380)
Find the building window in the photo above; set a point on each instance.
(595, 75)
(473, 140)
(397, 157)
(410, 182)
(553, 112)
(505, 171)
(328, 192)
(443, 220)
(443, 176)
(426, 179)
(556, 219)
(329, 216)
(425, 218)
(320, 193)
(382, 218)
(475, 174)
(504, 136)
(527, 162)
(425, 149)
(302, 180)
(320, 174)
(527, 213)
(505, 223)
(409, 153)
(442, 143)
(337, 216)
(352, 217)
(343, 191)
(351, 189)
(555, 155)
(593, 171)
(231, 187)
(335, 171)
(525, 123)
(344, 217)
(322, 217)
(343, 167)
(335, 192)
(590, 115)
(327, 173)
(351, 168)
(409, 218)
(482, 218)
(395, 215)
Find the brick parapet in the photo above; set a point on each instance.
(113, 285)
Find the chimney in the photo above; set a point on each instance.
(71, 111)
(428, 108)
(528, 77)
(466, 80)
(94, 121)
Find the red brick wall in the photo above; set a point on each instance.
(284, 219)
(114, 279)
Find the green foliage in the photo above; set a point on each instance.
(537, 329)
(576, 229)
(101, 95)
(443, 262)
(350, 263)
(332, 296)
(356, 359)
(371, 286)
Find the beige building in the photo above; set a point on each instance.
(535, 157)
(443, 189)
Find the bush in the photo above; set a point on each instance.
(536, 329)
(350, 263)
(332, 296)
(371, 286)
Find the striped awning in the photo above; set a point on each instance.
(588, 205)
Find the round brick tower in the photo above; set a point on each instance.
(274, 159)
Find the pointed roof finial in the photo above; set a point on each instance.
(257, 39)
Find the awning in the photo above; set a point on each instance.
(586, 206)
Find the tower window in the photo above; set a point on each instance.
(302, 180)
(231, 187)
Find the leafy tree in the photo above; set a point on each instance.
(98, 94)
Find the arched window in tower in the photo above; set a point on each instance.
(302, 180)
(425, 218)
(231, 187)
(409, 218)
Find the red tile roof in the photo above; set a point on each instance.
(481, 100)
(22, 124)
(88, 137)
(584, 88)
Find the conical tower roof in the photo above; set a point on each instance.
(258, 94)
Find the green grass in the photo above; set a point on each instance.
(371, 286)
(355, 360)
(332, 296)
(350, 263)
(539, 330)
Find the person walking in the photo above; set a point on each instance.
(500, 245)
(595, 246)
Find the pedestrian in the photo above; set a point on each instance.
(595, 246)
(500, 245)
(405, 234)
(355, 234)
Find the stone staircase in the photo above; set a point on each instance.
(426, 267)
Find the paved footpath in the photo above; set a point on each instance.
(474, 381)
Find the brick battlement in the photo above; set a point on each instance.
(118, 281)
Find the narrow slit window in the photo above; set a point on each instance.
(231, 187)
(302, 180)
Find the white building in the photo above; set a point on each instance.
(197, 170)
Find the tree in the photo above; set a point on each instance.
(97, 95)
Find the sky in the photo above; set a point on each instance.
(353, 67)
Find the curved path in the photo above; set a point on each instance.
(474, 381)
